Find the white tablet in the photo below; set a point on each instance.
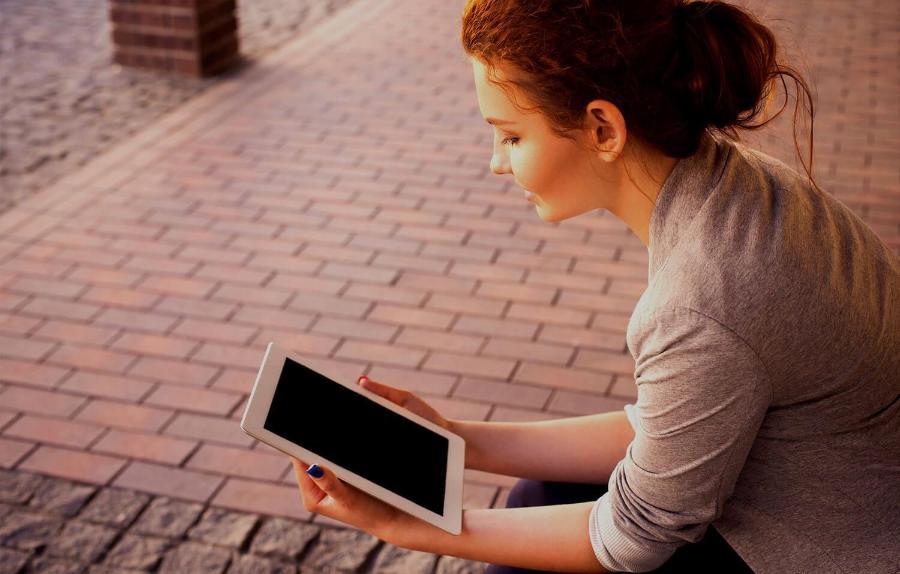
(393, 454)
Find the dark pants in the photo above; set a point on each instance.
(710, 554)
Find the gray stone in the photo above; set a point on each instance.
(115, 507)
(61, 497)
(103, 569)
(195, 558)
(82, 541)
(47, 565)
(340, 550)
(167, 517)
(17, 487)
(28, 530)
(283, 538)
(454, 565)
(224, 527)
(394, 560)
(249, 564)
(137, 552)
(12, 561)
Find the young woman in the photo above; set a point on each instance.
(766, 432)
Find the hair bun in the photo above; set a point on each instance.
(727, 60)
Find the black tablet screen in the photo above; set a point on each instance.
(357, 433)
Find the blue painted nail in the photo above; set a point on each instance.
(315, 472)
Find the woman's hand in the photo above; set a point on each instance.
(329, 496)
(407, 400)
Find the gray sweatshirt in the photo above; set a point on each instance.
(767, 364)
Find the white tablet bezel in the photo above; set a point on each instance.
(258, 408)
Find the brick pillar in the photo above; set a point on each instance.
(195, 37)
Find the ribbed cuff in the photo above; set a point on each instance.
(614, 550)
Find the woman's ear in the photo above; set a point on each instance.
(606, 127)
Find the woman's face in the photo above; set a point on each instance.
(560, 174)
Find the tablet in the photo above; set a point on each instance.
(385, 450)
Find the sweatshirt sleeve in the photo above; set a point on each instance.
(702, 394)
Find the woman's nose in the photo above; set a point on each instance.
(499, 164)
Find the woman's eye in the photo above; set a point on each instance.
(510, 141)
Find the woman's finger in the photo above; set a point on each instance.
(326, 481)
(309, 490)
(394, 395)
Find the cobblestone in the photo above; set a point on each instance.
(137, 552)
(61, 497)
(167, 517)
(18, 487)
(81, 541)
(223, 527)
(179, 537)
(284, 539)
(115, 507)
(193, 557)
(64, 101)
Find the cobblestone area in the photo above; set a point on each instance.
(62, 101)
(50, 525)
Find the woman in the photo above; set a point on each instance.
(766, 432)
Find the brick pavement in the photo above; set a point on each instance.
(337, 198)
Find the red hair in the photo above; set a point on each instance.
(673, 68)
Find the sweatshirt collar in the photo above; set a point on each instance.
(686, 189)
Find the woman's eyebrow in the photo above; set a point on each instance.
(496, 122)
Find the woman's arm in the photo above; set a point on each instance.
(552, 538)
(578, 449)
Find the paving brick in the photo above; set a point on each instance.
(155, 448)
(168, 481)
(17, 324)
(237, 380)
(549, 314)
(376, 352)
(124, 415)
(23, 348)
(192, 307)
(409, 316)
(220, 331)
(229, 355)
(39, 402)
(209, 429)
(94, 358)
(618, 363)
(12, 451)
(477, 366)
(156, 345)
(239, 462)
(61, 289)
(104, 275)
(416, 381)
(436, 283)
(71, 332)
(326, 304)
(578, 337)
(166, 517)
(72, 464)
(53, 431)
(140, 321)
(253, 295)
(271, 317)
(510, 394)
(173, 371)
(262, 498)
(563, 378)
(496, 327)
(106, 386)
(303, 343)
(29, 373)
(120, 297)
(526, 350)
(115, 507)
(193, 399)
(578, 404)
(387, 294)
(168, 285)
